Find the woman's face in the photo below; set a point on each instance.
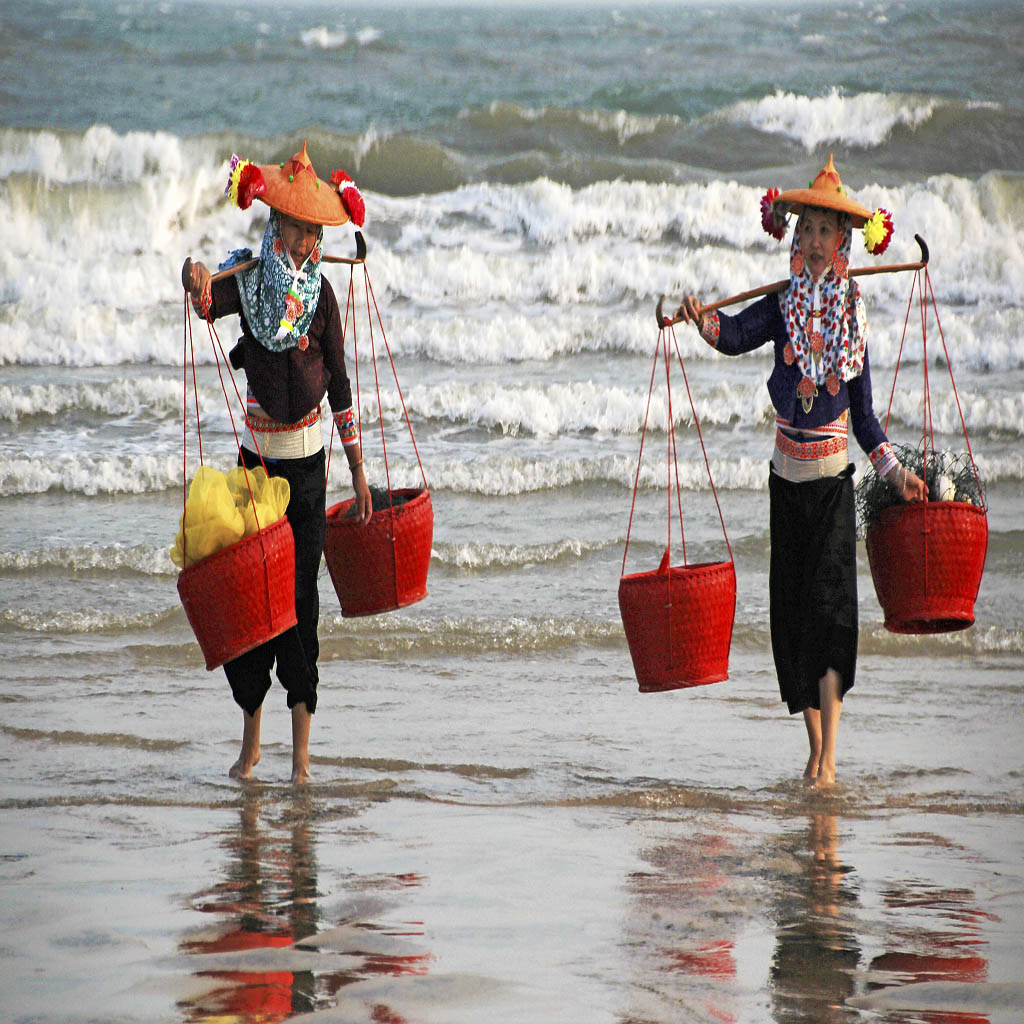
(819, 235)
(299, 237)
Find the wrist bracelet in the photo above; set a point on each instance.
(353, 466)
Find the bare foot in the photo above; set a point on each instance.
(811, 771)
(826, 778)
(300, 775)
(242, 768)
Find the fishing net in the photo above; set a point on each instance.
(949, 476)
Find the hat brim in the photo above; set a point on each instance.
(305, 197)
(796, 199)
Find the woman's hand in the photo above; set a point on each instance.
(364, 503)
(909, 486)
(198, 283)
(689, 312)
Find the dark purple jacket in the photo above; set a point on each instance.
(291, 383)
(762, 321)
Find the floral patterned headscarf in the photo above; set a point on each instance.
(825, 319)
(279, 299)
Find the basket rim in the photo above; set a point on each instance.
(232, 549)
(336, 513)
(890, 515)
(678, 571)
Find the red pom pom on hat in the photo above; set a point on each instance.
(351, 198)
(353, 203)
(250, 185)
(772, 225)
(245, 182)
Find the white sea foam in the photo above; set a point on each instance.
(320, 37)
(865, 119)
(158, 395)
(139, 558)
(620, 124)
(503, 475)
(478, 555)
(91, 475)
(99, 155)
(492, 473)
(564, 270)
(86, 621)
(450, 633)
(982, 411)
(560, 408)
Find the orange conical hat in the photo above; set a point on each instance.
(826, 191)
(294, 188)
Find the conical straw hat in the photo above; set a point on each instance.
(826, 191)
(293, 188)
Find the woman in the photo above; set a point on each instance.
(292, 350)
(820, 386)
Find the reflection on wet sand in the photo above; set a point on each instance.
(951, 953)
(264, 957)
(933, 935)
(680, 931)
(816, 947)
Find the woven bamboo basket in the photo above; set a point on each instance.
(242, 596)
(926, 562)
(678, 624)
(383, 565)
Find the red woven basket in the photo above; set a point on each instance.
(679, 624)
(242, 596)
(926, 561)
(383, 565)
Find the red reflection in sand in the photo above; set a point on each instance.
(267, 899)
(677, 935)
(951, 956)
(259, 997)
(714, 961)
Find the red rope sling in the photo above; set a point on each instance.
(678, 619)
(243, 595)
(383, 565)
(927, 558)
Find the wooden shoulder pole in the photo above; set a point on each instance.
(778, 286)
(360, 257)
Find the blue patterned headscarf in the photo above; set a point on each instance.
(278, 299)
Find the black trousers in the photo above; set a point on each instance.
(295, 651)
(813, 585)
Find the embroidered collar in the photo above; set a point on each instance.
(824, 320)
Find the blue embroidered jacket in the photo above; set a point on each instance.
(761, 322)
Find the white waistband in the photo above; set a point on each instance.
(798, 471)
(284, 444)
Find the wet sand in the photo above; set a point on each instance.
(446, 886)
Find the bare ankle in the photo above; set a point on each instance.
(242, 768)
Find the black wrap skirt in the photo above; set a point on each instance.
(813, 584)
(296, 650)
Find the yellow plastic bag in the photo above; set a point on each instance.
(268, 501)
(219, 511)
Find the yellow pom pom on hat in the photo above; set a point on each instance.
(826, 191)
(292, 188)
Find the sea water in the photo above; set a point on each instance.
(524, 836)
